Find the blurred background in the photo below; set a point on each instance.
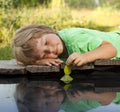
(102, 15)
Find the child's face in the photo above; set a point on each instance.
(49, 46)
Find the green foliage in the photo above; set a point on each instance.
(6, 53)
(92, 4)
(80, 3)
(112, 3)
(30, 3)
(7, 4)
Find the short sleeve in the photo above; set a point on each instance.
(117, 98)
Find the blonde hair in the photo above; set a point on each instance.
(23, 42)
(39, 96)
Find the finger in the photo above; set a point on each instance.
(80, 63)
(73, 98)
(79, 93)
(72, 57)
(49, 64)
(58, 61)
(70, 97)
(76, 61)
(70, 60)
(54, 63)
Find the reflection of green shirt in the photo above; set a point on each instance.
(83, 40)
(81, 106)
(117, 99)
(84, 105)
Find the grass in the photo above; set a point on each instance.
(6, 53)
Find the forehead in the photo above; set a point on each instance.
(36, 40)
(38, 46)
(32, 48)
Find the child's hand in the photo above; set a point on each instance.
(49, 62)
(104, 98)
(76, 59)
(76, 96)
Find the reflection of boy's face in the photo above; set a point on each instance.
(50, 100)
(39, 96)
(49, 46)
(56, 102)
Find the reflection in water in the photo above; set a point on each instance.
(82, 98)
(49, 96)
(6, 90)
(7, 102)
(39, 96)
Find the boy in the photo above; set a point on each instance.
(40, 44)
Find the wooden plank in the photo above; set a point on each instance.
(11, 67)
(84, 67)
(42, 69)
(107, 62)
(5, 69)
(107, 89)
(92, 87)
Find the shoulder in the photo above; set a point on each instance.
(69, 31)
(73, 29)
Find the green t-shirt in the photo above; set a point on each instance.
(82, 40)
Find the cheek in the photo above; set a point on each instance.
(53, 41)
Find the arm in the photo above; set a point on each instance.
(105, 51)
(104, 98)
(49, 62)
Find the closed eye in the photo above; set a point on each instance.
(46, 42)
(44, 55)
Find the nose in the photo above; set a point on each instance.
(49, 50)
